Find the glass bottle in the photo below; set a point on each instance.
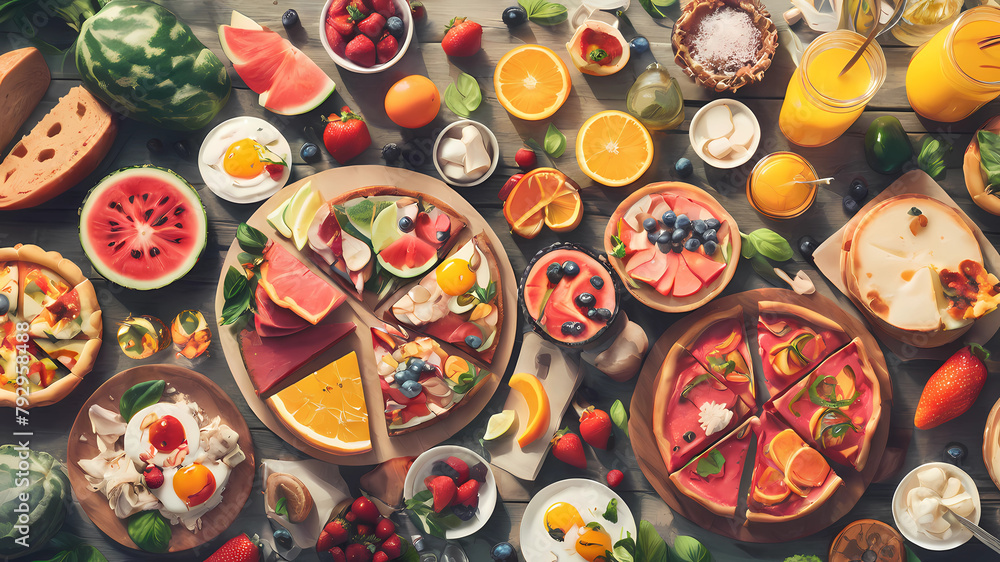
(655, 99)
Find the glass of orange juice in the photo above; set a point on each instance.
(950, 77)
(772, 186)
(820, 105)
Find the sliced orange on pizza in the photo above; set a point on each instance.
(719, 343)
(793, 340)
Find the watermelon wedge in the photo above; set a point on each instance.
(292, 285)
(288, 81)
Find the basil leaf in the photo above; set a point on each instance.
(140, 396)
(234, 284)
(688, 549)
(281, 506)
(455, 102)
(611, 513)
(710, 464)
(656, 8)
(821, 401)
(421, 497)
(189, 321)
(463, 96)
(910, 557)
(549, 13)
(624, 550)
(989, 161)
(150, 531)
(555, 142)
(531, 6)
(650, 546)
(619, 416)
(931, 158)
(748, 250)
(765, 269)
(411, 554)
(250, 239)
(694, 382)
(771, 244)
(234, 309)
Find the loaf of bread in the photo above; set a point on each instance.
(63, 148)
(24, 77)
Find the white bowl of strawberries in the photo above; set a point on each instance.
(453, 488)
(362, 36)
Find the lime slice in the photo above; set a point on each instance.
(300, 213)
(499, 424)
(384, 229)
(277, 219)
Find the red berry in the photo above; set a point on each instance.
(393, 547)
(385, 529)
(351, 516)
(153, 476)
(335, 533)
(461, 467)
(595, 427)
(526, 159)
(365, 510)
(358, 553)
(509, 185)
(365, 530)
(468, 493)
(443, 490)
(615, 478)
(566, 446)
(380, 557)
(338, 554)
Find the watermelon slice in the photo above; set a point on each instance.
(408, 256)
(686, 283)
(703, 267)
(648, 266)
(665, 286)
(292, 285)
(270, 361)
(288, 81)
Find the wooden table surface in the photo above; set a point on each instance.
(54, 226)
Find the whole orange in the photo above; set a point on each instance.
(412, 102)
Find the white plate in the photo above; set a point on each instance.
(590, 498)
(248, 194)
(960, 535)
(421, 468)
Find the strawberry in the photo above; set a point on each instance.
(337, 8)
(417, 10)
(509, 185)
(337, 554)
(346, 136)
(360, 7)
(337, 42)
(350, 517)
(372, 26)
(240, 548)
(595, 427)
(364, 530)
(385, 529)
(342, 24)
(461, 467)
(386, 48)
(361, 51)
(525, 159)
(443, 490)
(359, 552)
(380, 557)
(566, 446)
(468, 493)
(385, 7)
(953, 388)
(599, 47)
(366, 511)
(615, 478)
(335, 533)
(463, 37)
(393, 547)
(153, 476)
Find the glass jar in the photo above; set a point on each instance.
(923, 18)
(655, 99)
(772, 189)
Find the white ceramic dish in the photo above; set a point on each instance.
(402, 10)
(961, 534)
(421, 468)
(492, 148)
(591, 499)
(697, 140)
(254, 194)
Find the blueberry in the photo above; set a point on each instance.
(394, 26)
(955, 453)
(851, 205)
(391, 152)
(570, 268)
(282, 537)
(309, 151)
(653, 236)
(503, 552)
(416, 364)
(664, 237)
(683, 222)
(710, 235)
(859, 189)
(154, 145)
(464, 512)
(578, 328)
(290, 18)
(441, 468)
(514, 16)
(649, 225)
(554, 272)
(411, 389)
(604, 313)
(683, 167)
(406, 375)
(592, 313)
(710, 247)
(478, 472)
(567, 328)
(597, 282)
(429, 368)
(406, 224)
(713, 223)
(677, 247)
(585, 300)
(669, 218)
(473, 341)
(692, 244)
(807, 247)
(638, 45)
(4, 304)
(678, 235)
(182, 149)
(698, 226)
(442, 235)
(663, 248)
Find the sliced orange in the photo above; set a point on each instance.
(544, 196)
(771, 487)
(806, 468)
(784, 444)
(614, 148)
(539, 411)
(531, 82)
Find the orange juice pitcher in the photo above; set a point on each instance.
(951, 76)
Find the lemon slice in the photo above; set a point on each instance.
(277, 219)
(384, 229)
(300, 213)
(499, 424)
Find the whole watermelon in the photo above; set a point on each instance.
(148, 65)
(48, 493)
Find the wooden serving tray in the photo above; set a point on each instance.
(339, 182)
(651, 463)
(214, 401)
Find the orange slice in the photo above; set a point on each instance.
(771, 487)
(538, 407)
(613, 148)
(531, 82)
(783, 446)
(327, 408)
(807, 468)
(544, 196)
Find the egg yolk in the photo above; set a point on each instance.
(242, 159)
(455, 277)
(560, 518)
(594, 544)
(194, 484)
(166, 434)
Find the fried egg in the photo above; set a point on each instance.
(192, 490)
(235, 157)
(164, 435)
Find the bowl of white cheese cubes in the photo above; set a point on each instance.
(466, 153)
(923, 497)
(724, 133)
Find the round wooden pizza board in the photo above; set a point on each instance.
(214, 402)
(338, 182)
(651, 463)
(991, 444)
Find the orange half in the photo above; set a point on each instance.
(614, 148)
(543, 197)
(531, 82)
(539, 411)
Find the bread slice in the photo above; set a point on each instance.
(24, 77)
(63, 148)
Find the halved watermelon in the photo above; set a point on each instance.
(288, 81)
(292, 285)
(408, 256)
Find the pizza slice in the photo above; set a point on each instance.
(9, 278)
(40, 287)
(72, 313)
(691, 409)
(792, 341)
(837, 407)
(713, 477)
(421, 381)
(790, 478)
(719, 343)
(459, 301)
(24, 358)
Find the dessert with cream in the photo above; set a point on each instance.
(927, 494)
(464, 154)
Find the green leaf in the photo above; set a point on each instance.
(650, 546)
(710, 464)
(910, 557)
(618, 249)
(748, 250)
(549, 13)
(822, 400)
(702, 378)
(250, 239)
(989, 162)
(234, 284)
(771, 244)
(420, 497)
(611, 513)
(765, 269)
(656, 8)
(281, 507)
(410, 554)
(234, 309)
(463, 96)
(150, 531)
(688, 549)
(624, 550)
(189, 321)
(619, 416)
(555, 142)
(932, 153)
(140, 396)
(806, 558)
